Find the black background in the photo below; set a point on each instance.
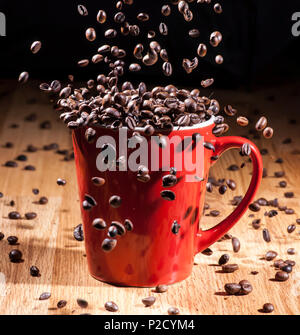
(257, 46)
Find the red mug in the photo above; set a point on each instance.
(151, 254)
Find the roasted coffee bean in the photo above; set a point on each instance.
(289, 211)
(233, 167)
(291, 251)
(128, 225)
(215, 38)
(97, 58)
(78, 233)
(29, 168)
(168, 195)
(161, 288)
(242, 121)
(1, 236)
(224, 259)
(236, 245)
(222, 189)
(111, 306)
(35, 47)
(229, 110)
(14, 215)
(12, 240)
(34, 271)
(134, 67)
(261, 124)
(281, 276)
(45, 296)
(289, 262)
(120, 228)
(90, 34)
(108, 244)
(267, 308)
(101, 16)
(286, 268)
(61, 182)
(149, 301)
(112, 232)
(110, 33)
(167, 69)
(246, 287)
(194, 33)
(23, 77)
(279, 263)
(214, 213)
(175, 227)
(279, 174)
(202, 50)
(91, 201)
(209, 146)
(218, 8)
(166, 10)
(43, 201)
(163, 29)
(90, 135)
(97, 181)
(289, 194)
(99, 224)
(232, 288)
(291, 228)
(229, 268)
(12, 164)
(173, 311)
(266, 235)
(219, 59)
(270, 255)
(61, 304)
(245, 149)
(207, 252)
(254, 207)
(82, 303)
(120, 18)
(143, 17)
(83, 63)
(283, 183)
(231, 184)
(169, 180)
(82, 10)
(268, 132)
(115, 201)
(15, 256)
(298, 221)
(262, 202)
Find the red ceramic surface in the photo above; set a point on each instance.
(151, 254)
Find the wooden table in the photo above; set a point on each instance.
(48, 242)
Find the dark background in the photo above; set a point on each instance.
(257, 46)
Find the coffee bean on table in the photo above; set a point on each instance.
(286, 268)
(14, 215)
(291, 251)
(108, 244)
(82, 303)
(254, 207)
(173, 311)
(1, 236)
(232, 288)
(289, 194)
(267, 308)
(279, 174)
(270, 255)
(99, 224)
(168, 195)
(291, 228)
(161, 288)
(11, 164)
(34, 271)
(231, 184)
(30, 216)
(43, 201)
(12, 240)
(281, 276)
(45, 296)
(35, 47)
(35, 191)
(222, 189)
(111, 306)
(115, 201)
(61, 182)
(207, 252)
(229, 268)
(15, 256)
(246, 287)
(224, 259)
(236, 245)
(266, 235)
(61, 304)
(78, 233)
(149, 301)
(283, 183)
(289, 211)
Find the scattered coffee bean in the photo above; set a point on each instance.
(266, 235)
(168, 195)
(173, 311)
(270, 255)
(35, 47)
(291, 228)
(235, 244)
(1, 236)
(115, 201)
(45, 296)
(61, 304)
(254, 207)
(108, 244)
(281, 276)
(224, 259)
(23, 77)
(61, 182)
(232, 288)
(15, 256)
(111, 306)
(30, 216)
(14, 215)
(246, 287)
(161, 288)
(12, 240)
(82, 303)
(82, 10)
(78, 233)
(229, 268)
(34, 271)
(291, 251)
(149, 301)
(267, 308)
(207, 252)
(43, 201)
(99, 224)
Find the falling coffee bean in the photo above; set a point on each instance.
(128, 225)
(97, 181)
(108, 244)
(168, 195)
(99, 224)
(115, 201)
(36, 47)
(78, 233)
(175, 227)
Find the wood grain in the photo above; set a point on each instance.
(48, 242)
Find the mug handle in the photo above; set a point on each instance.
(205, 238)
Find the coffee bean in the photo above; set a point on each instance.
(91, 201)
(207, 252)
(202, 50)
(61, 182)
(281, 276)
(115, 201)
(143, 17)
(99, 224)
(83, 63)
(29, 168)
(224, 259)
(261, 124)
(12, 240)
(229, 110)
(175, 227)
(169, 180)
(167, 69)
(78, 233)
(11, 164)
(242, 121)
(128, 225)
(222, 189)
(120, 228)
(214, 213)
(219, 59)
(194, 33)
(112, 232)
(254, 207)
(266, 235)
(14, 215)
(291, 228)
(45, 296)
(270, 255)
(15, 256)
(173, 311)
(35, 47)
(268, 132)
(111, 306)
(287, 268)
(246, 287)
(34, 271)
(229, 268)
(161, 288)
(218, 8)
(168, 195)
(267, 308)
(97, 181)
(291, 251)
(1, 236)
(166, 10)
(289, 262)
(23, 77)
(245, 149)
(235, 244)
(298, 221)
(149, 301)
(90, 34)
(283, 183)
(232, 288)
(61, 304)
(82, 10)
(43, 201)
(289, 194)
(101, 16)
(134, 67)
(108, 244)
(233, 167)
(289, 211)
(163, 29)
